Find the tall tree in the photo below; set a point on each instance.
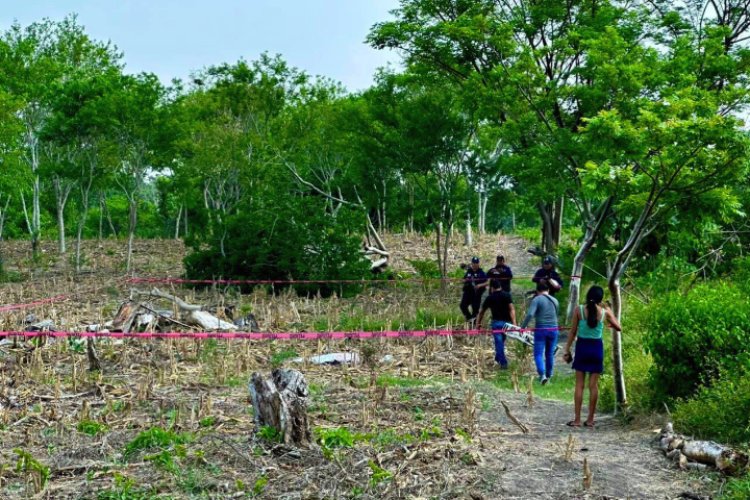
(32, 61)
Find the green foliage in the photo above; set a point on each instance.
(274, 242)
(394, 381)
(270, 434)
(692, 335)
(390, 437)
(340, 437)
(124, 489)
(207, 422)
(721, 410)
(379, 474)
(259, 485)
(155, 438)
(91, 428)
(279, 357)
(737, 489)
(30, 466)
(426, 268)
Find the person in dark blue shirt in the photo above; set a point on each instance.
(503, 312)
(501, 274)
(475, 282)
(548, 275)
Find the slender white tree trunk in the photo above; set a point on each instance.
(177, 223)
(132, 221)
(62, 192)
(82, 218)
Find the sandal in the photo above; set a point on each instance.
(573, 423)
(587, 424)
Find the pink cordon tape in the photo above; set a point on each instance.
(305, 282)
(264, 336)
(28, 305)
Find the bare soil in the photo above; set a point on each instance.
(428, 424)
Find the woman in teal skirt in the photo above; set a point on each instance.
(587, 326)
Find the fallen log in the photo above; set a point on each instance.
(690, 454)
(280, 402)
(195, 314)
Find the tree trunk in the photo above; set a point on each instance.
(82, 218)
(101, 218)
(62, 192)
(545, 211)
(438, 234)
(557, 219)
(446, 245)
(177, 224)
(280, 402)
(683, 450)
(615, 274)
(617, 365)
(593, 227)
(468, 239)
(385, 198)
(483, 207)
(3, 214)
(132, 220)
(36, 217)
(108, 215)
(195, 313)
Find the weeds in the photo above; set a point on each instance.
(379, 474)
(155, 438)
(37, 474)
(91, 428)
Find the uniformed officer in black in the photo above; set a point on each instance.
(547, 274)
(475, 282)
(501, 274)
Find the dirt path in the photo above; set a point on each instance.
(623, 462)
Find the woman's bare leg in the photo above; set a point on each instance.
(593, 396)
(578, 398)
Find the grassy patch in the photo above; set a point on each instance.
(560, 387)
(155, 438)
(393, 381)
(91, 428)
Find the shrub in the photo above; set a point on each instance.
(691, 336)
(276, 243)
(719, 411)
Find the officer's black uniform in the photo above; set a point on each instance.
(472, 296)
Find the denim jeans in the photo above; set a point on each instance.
(499, 343)
(545, 341)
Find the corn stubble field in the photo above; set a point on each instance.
(417, 418)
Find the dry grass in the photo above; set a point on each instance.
(170, 419)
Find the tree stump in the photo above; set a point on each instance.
(281, 402)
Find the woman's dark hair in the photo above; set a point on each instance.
(594, 296)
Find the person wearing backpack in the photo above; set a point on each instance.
(587, 326)
(543, 310)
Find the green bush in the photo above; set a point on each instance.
(720, 411)
(276, 243)
(427, 268)
(692, 335)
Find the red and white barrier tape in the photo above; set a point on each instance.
(308, 282)
(28, 305)
(268, 336)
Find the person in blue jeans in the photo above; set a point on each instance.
(543, 310)
(503, 311)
